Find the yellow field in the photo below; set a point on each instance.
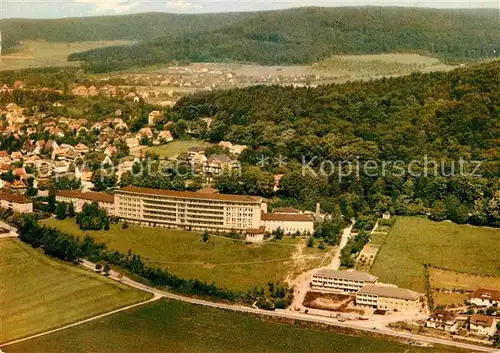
(38, 293)
(34, 54)
(455, 280)
(443, 284)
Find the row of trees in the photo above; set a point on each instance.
(353, 247)
(69, 248)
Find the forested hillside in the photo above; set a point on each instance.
(145, 26)
(416, 119)
(306, 35)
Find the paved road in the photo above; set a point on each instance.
(290, 314)
(361, 326)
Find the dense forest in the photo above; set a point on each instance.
(306, 35)
(145, 26)
(415, 120)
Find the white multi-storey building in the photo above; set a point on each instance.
(388, 298)
(344, 281)
(189, 210)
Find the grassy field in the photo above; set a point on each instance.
(365, 66)
(415, 241)
(378, 238)
(34, 54)
(168, 326)
(456, 280)
(175, 147)
(444, 283)
(227, 262)
(38, 293)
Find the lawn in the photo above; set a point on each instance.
(378, 238)
(415, 241)
(34, 54)
(38, 293)
(226, 262)
(169, 326)
(176, 147)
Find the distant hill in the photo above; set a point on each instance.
(143, 26)
(295, 36)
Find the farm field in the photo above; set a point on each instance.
(376, 65)
(452, 288)
(175, 147)
(38, 293)
(170, 326)
(226, 262)
(35, 54)
(415, 241)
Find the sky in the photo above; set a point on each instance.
(77, 8)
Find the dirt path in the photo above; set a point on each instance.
(335, 264)
(302, 282)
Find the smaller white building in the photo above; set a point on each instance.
(289, 222)
(255, 235)
(78, 199)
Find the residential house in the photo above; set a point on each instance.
(219, 162)
(81, 148)
(110, 151)
(443, 320)
(18, 84)
(482, 325)
(154, 117)
(165, 136)
(226, 144)
(18, 187)
(485, 297)
(51, 145)
(16, 156)
(97, 126)
(80, 91)
(193, 151)
(92, 91)
(132, 142)
(20, 173)
(145, 132)
(60, 168)
(237, 149)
